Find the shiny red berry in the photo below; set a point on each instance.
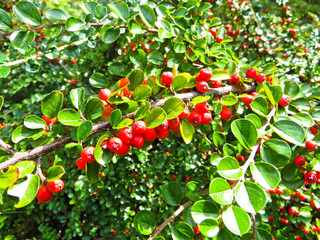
(115, 144)
(44, 195)
(104, 94)
(194, 118)
(87, 154)
(81, 163)
(219, 39)
(162, 133)
(311, 145)
(167, 78)
(226, 114)
(150, 134)
(251, 73)
(235, 79)
(247, 99)
(202, 107)
(260, 78)
(139, 127)
(137, 141)
(202, 86)
(213, 31)
(172, 123)
(299, 161)
(184, 114)
(205, 74)
(206, 117)
(125, 134)
(215, 83)
(310, 177)
(284, 101)
(124, 149)
(55, 186)
(49, 121)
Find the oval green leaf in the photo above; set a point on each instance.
(109, 34)
(120, 9)
(54, 173)
(228, 167)
(265, 174)
(203, 210)
(289, 131)
(144, 222)
(147, 15)
(155, 117)
(84, 130)
(173, 107)
(209, 228)
(98, 80)
(187, 131)
(9, 177)
(52, 104)
(142, 93)
(69, 117)
(220, 191)
(94, 108)
(276, 152)
(57, 14)
(192, 190)
(27, 13)
(34, 122)
(236, 220)
(181, 231)
(245, 131)
(77, 97)
(172, 193)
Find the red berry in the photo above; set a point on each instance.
(125, 134)
(150, 134)
(284, 101)
(196, 230)
(206, 117)
(251, 73)
(215, 83)
(240, 158)
(235, 79)
(260, 78)
(44, 195)
(184, 114)
(73, 61)
(87, 154)
(55, 186)
(310, 177)
(139, 127)
(247, 99)
(115, 144)
(137, 141)
(202, 87)
(81, 163)
(291, 211)
(226, 114)
(306, 230)
(172, 123)
(124, 149)
(49, 121)
(219, 39)
(213, 31)
(166, 78)
(202, 107)
(174, 177)
(253, 94)
(270, 218)
(314, 131)
(194, 118)
(104, 94)
(163, 125)
(205, 74)
(299, 161)
(162, 133)
(311, 145)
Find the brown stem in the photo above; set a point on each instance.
(39, 172)
(7, 147)
(170, 219)
(102, 126)
(208, 141)
(254, 228)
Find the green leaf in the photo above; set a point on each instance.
(181, 231)
(292, 89)
(109, 34)
(57, 14)
(155, 58)
(147, 15)
(220, 74)
(1, 102)
(173, 107)
(228, 167)
(135, 28)
(75, 24)
(92, 171)
(22, 132)
(274, 93)
(231, 67)
(260, 106)
(84, 130)
(141, 112)
(178, 82)
(54, 173)
(265, 174)
(69, 117)
(203, 210)
(229, 100)
(136, 78)
(128, 107)
(124, 123)
(180, 47)
(250, 196)
(303, 119)
(117, 69)
(187, 131)
(245, 131)
(144, 222)
(218, 139)
(77, 97)
(101, 11)
(236, 220)
(103, 157)
(209, 227)
(292, 177)
(289, 131)
(142, 93)
(276, 152)
(5, 20)
(220, 191)
(200, 99)
(172, 193)
(34, 122)
(25, 167)
(152, 82)
(139, 58)
(94, 108)
(155, 117)
(115, 117)
(98, 80)
(27, 13)
(192, 190)
(9, 177)
(4, 72)
(120, 9)
(51, 104)
(269, 69)
(21, 39)
(255, 119)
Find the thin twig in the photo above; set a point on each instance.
(39, 172)
(208, 141)
(254, 228)
(66, 69)
(7, 147)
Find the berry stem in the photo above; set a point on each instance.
(39, 172)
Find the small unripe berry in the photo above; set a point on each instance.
(55, 186)
(167, 78)
(202, 87)
(44, 195)
(115, 144)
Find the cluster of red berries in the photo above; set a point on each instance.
(45, 192)
(201, 115)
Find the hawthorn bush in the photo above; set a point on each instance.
(161, 120)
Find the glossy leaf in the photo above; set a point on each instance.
(203, 210)
(100, 12)
(27, 13)
(147, 15)
(172, 193)
(155, 58)
(94, 108)
(209, 227)
(144, 222)
(51, 104)
(141, 112)
(220, 74)
(292, 177)
(269, 69)
(98, 80)
(117, 69)
(192, 190)
(229, 100)
(303, 119)
(54, 173)
(142, 93)
(75, 24)
(124, 123)
(120, 9)
(69, 117)
(155, 117)
(200, 99)
(136, 78)
(187, 131)
(22, 132)
(1, 102)
(260, 106)
(77, 97)
(9, 177)
(139, 58)
(57, 14)
(5, 21)
(250, 197)
(274, 93)
(34, 122)
(265, 174)
(276, 152)
(245, 131)
(103, 157)
(135, 28)
(181, 231)
(115, 117)
(25, 167)
(92, 171)
(289, 131)
(220, 191)
(236, 220)
(228, 167)
(4, 72)
(26, 191)
(84, 130)
(21, 39)
(173, 107)
(109, 34)
(179, 82)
